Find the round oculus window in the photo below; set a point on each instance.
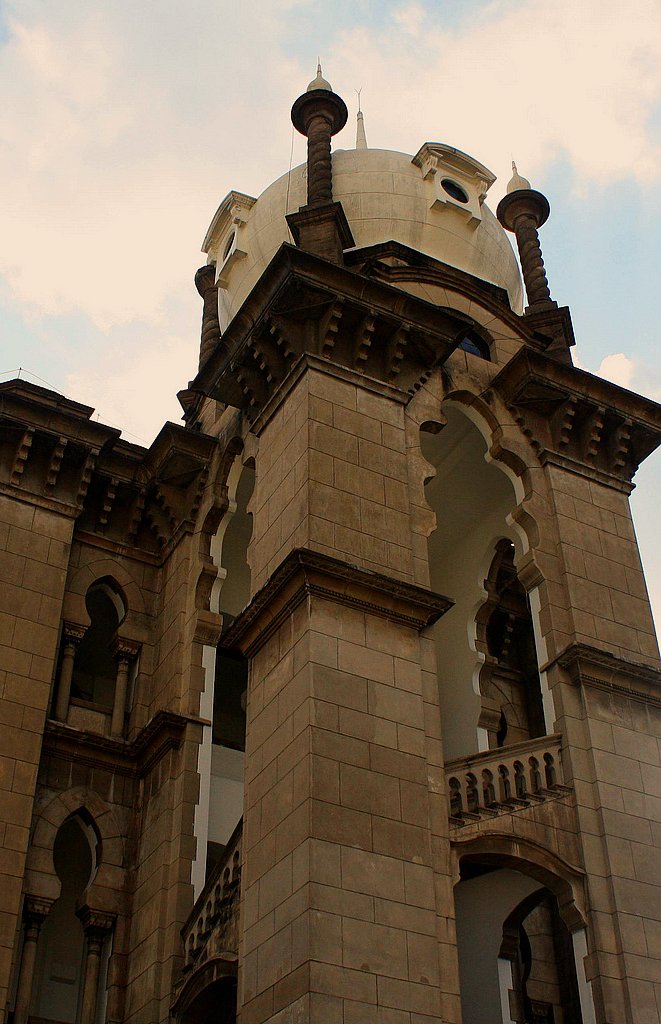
(453, 190)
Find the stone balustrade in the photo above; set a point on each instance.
(212, 927)
(496, 781)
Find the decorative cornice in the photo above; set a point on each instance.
(306, 573)
(56, 457)
(579, 421)
(589, 666)
(306, 305)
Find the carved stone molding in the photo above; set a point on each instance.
(589, 666)
(35, 910)
(308, 573)
(96, 923)
(163, 732)
(579, 421)
(73, 633)
(125, 650)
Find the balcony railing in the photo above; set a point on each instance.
(212, 927)
(499, 781)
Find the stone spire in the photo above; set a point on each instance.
(320, 226)
(361, 139)
(523, 210)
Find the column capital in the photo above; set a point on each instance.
(73, 632)
(125, 650)
(35, 911)
(96, 923)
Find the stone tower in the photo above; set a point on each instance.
(340, 703)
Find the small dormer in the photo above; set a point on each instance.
(223, 241)
(459, 181)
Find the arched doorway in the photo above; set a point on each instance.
(208, 996)
(517, 962)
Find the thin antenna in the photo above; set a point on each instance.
(358, 92)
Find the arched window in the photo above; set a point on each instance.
(470, 341)
(95, 671)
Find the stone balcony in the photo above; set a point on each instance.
(502, 781)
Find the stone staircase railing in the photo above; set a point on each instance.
(500, 781)
(212, 927)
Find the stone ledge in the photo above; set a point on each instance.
(589, 666)
(309, 573)
(162, 733)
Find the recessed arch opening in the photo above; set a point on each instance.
(231, 667)
(509, 680)
(516, 950)
(57, 984)
(473, 500)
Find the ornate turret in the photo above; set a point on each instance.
(321, 226)
(523, 210)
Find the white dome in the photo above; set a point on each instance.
(385, 196)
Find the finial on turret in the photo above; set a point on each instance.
(361, 138)
(319, 82)
(516, 182)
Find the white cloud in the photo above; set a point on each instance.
(411, 17)
(619, 368)
(529, 80)
(123, 125)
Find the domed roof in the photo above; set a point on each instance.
(433, 202)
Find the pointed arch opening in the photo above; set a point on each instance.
(94, 670)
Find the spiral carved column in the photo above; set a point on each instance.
(532, 264)
(523, 211)
(320, 167)
(205, 282)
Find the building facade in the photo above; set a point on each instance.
(339, 703)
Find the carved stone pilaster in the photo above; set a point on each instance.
(97, 926)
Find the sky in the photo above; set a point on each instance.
(124, 124)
